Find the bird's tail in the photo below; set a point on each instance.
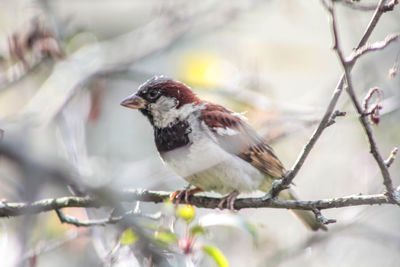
(305, 216)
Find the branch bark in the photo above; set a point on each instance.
(12, 209)
(373, 47)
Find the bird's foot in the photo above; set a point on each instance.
(230, 201)
(185, 194)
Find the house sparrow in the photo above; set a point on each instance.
(208, 145)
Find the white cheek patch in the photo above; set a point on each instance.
(164, 104)
(164, 111)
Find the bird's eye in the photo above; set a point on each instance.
(153, 94)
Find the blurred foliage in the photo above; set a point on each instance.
(202, 69)
(128, 237)
(216, 255)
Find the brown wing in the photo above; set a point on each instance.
(239, 138)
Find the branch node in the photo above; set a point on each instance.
(389, 6)
(370, 47)
(278, 186)
(335, 114)
(65, 218)
(321, 218)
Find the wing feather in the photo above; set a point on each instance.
(236, 136)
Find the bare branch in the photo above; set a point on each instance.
(393, 195)
(363, 7)
(11, 209)
(287, 180)
(373, 47)
(335, 114)
(74, 221)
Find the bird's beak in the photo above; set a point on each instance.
(134, 102)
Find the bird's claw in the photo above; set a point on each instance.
(230, 201)
(185, 194)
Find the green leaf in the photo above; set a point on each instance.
(166, 237)
(197, 230)
(229, 220)
(186, 213)
(217, 255)
(128, 237)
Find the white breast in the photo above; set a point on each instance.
(206, 165)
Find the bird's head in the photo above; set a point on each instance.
(162, 100)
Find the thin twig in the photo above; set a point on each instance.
(287, 180)
(356, 6)
(101, 222)
(393, 195)
(392, 157)
(321, 218)
(335, 114)
(373, 47)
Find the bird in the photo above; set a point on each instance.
(210, 146)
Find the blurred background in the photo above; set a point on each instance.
(66, 65)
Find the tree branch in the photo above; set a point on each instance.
(321, 218)
(356, 6)
(335, 114)
(11, 209)
(373, 47)
(392, 157)
(288, 179)
(393, 195)
(101, 222)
